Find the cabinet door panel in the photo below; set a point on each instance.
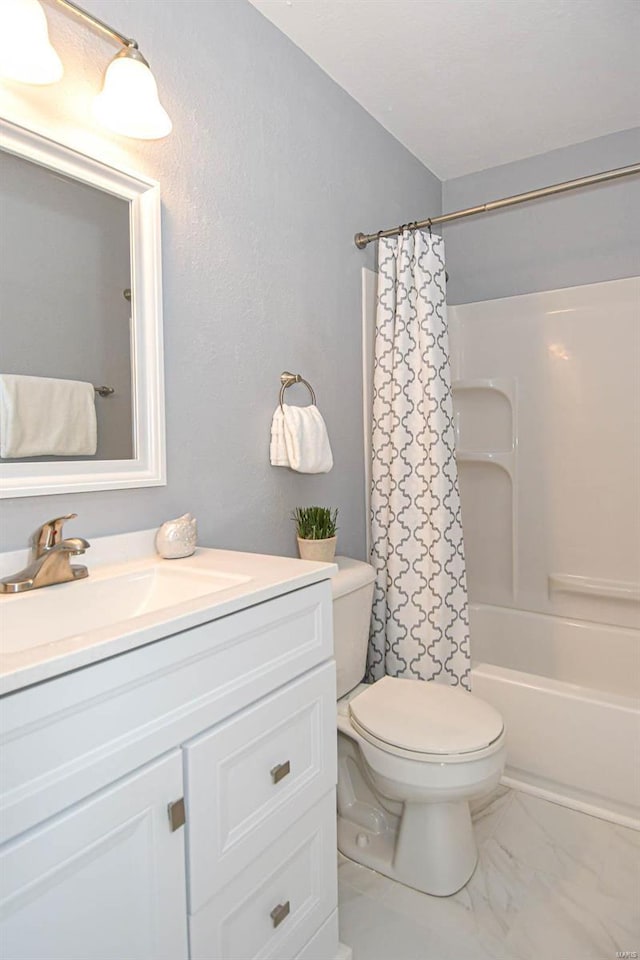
(104, 880)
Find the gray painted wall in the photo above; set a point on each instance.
(64, 264)
(575, 238)
(270, 170)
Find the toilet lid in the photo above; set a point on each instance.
(425, 717)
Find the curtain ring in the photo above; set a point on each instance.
(429, 226)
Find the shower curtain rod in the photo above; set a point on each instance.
(362, 239)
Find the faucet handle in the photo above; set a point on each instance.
(49, 534)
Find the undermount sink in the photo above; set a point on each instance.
(51, 614)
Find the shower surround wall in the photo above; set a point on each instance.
(564, 420)
(547, 406)
(269, 171)
(546, 353)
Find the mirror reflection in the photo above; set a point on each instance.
(65, 318)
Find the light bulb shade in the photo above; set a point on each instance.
(128, 103)
(25, 51)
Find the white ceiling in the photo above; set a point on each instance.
(469, 84)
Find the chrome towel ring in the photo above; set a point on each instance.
(288, 379)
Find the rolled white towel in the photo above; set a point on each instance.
(306, 440)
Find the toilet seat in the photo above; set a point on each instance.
(426, 721)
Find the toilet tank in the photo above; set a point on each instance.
(352, 588)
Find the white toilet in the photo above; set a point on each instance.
(410, 757)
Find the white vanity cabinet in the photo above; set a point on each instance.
(232, 722)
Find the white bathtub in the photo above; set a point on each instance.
(569, 692)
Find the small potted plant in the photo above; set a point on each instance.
(316, 530)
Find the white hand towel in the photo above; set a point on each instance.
(278, 449)
(41, 417)
(306, 440)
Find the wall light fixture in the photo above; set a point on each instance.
(25, 51)
(128, 103)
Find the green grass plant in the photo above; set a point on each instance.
(315, 523)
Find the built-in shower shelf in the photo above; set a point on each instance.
(492, 449)
(506, 461)
(501, 385)
(486, 428)
(589, 586)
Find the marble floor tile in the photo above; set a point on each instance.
(498, 889)
(555, 841)
(375, 931)
(566, 922)
(459, 921)
(551, 884)
(620, 872)
(487, 812)
(365, 880)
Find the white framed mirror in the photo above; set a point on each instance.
(80, 303)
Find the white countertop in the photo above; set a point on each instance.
(263, 578)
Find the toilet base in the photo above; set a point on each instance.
(431, 847)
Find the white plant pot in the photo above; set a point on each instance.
(321, 550)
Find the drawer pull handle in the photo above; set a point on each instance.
(280, 913)
(279, 772)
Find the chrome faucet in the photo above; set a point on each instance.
(48, 535)
(50, 559)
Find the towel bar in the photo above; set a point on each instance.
(288, 379)
(104, 391)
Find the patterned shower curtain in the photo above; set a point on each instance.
(420, 626)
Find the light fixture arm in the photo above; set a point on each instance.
(100, 24)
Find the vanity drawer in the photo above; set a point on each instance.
(276, 904)
(247, 779)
